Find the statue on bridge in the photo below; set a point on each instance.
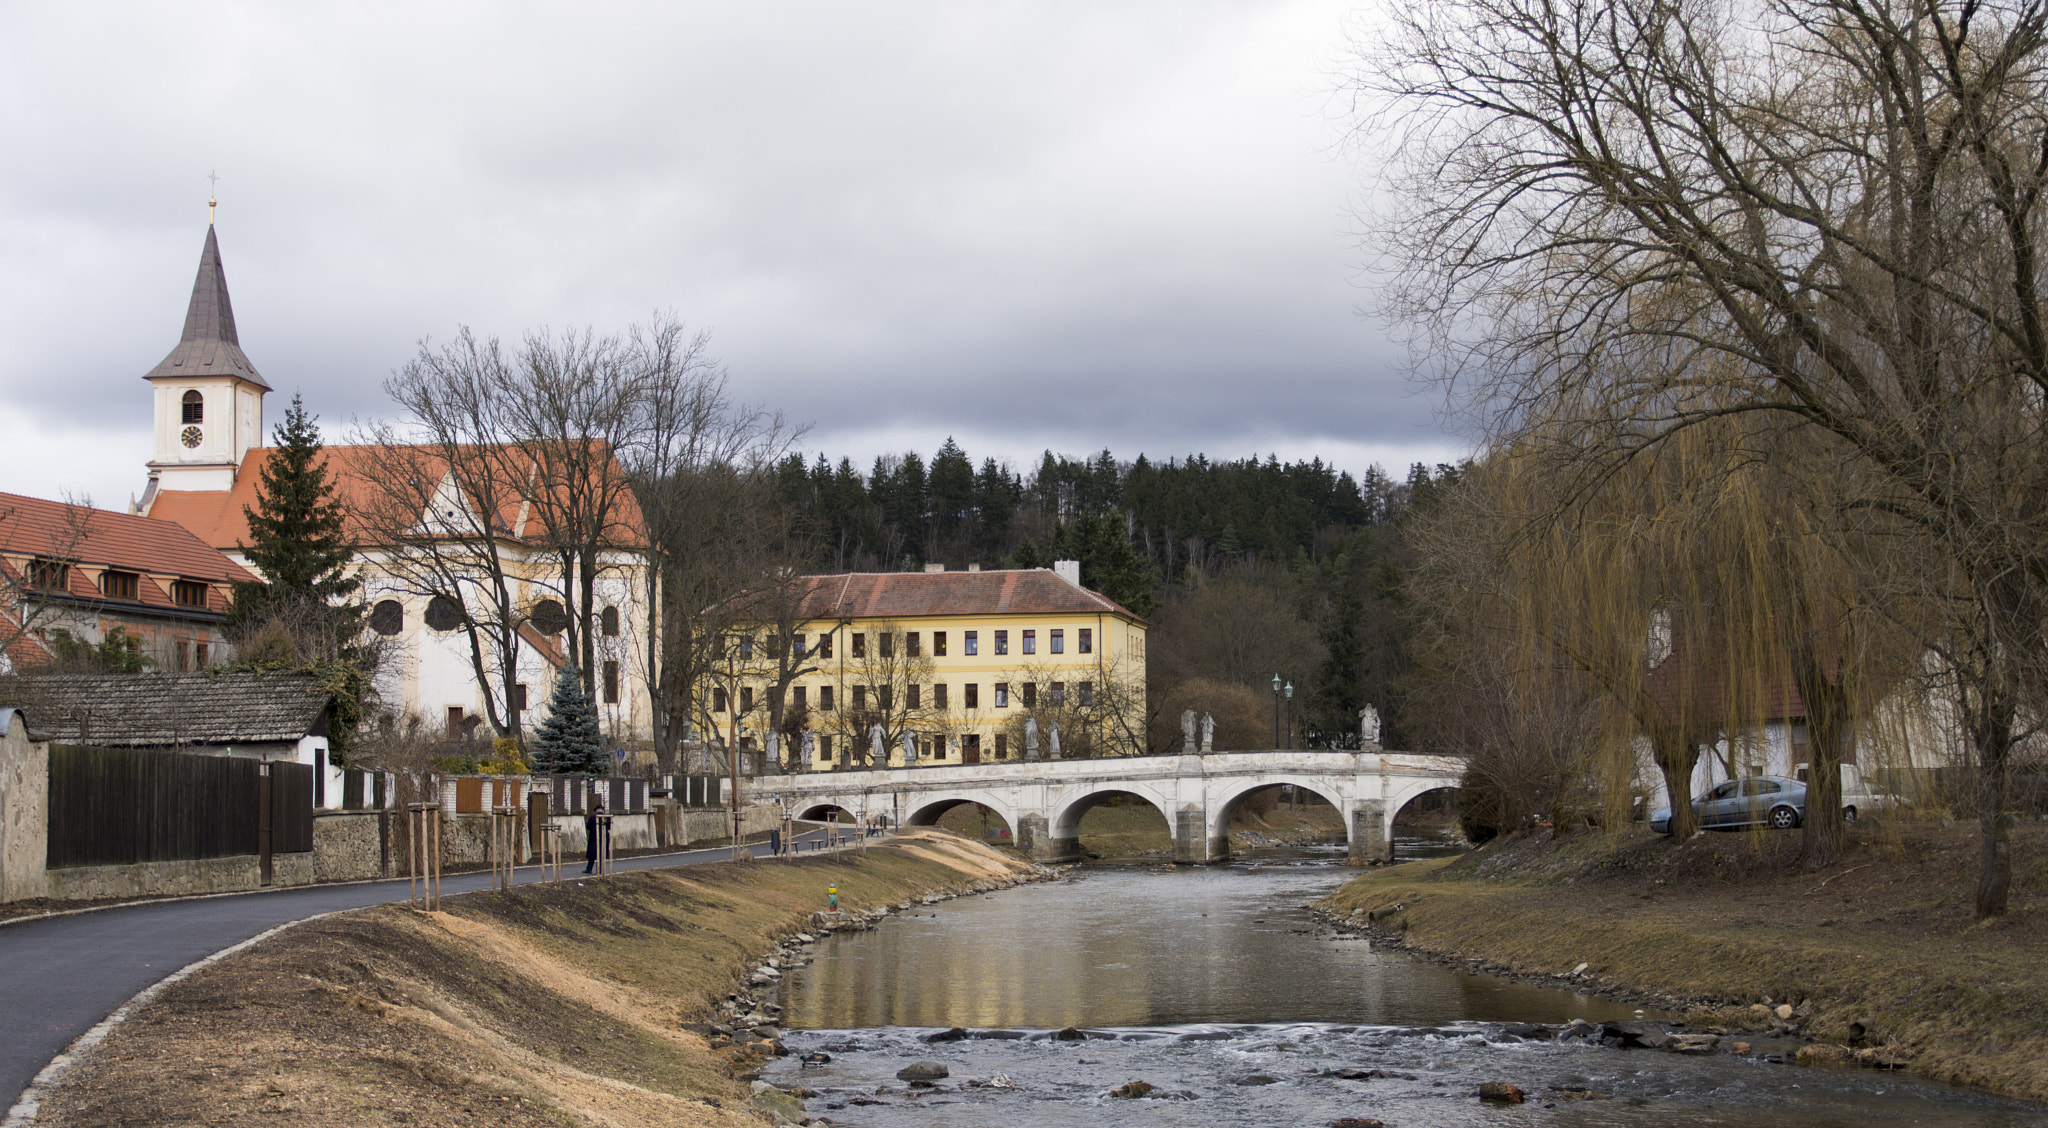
(1030, 738)
(1187, 732)
(1369, 727)
(775, 749)
(810, 749)
(1053, 748)
(1208, 733)
(878, 745)
(909, 749)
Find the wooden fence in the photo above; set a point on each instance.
(119, 806)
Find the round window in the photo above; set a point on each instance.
(443, 613)
(387, 618)
(549, 618)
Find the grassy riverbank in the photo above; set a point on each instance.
(551, 1005)
(1727, 921)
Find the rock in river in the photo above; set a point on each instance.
(1500, 1091)
(922, 1071)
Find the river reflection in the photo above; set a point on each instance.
(1215, 986)
(1146, 946)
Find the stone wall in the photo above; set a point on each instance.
(174, 879)
(24, 817)
(356, 845)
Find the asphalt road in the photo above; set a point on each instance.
(59, 976)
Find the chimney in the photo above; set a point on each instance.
(974, 567)
(934, 567)
(1068, 570)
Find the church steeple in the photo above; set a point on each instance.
(209, 398)
(210, 345)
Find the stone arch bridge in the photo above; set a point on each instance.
(1043, 801)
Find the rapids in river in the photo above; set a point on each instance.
(1216, 987)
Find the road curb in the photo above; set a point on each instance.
(23, 1114)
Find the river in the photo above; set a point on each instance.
(1216, 987)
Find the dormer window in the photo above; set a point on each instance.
(49, 575)
(195, 408)
(188, 593)
(121, 585)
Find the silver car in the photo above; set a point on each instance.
(1773, 801)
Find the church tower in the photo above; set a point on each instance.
(209, 398)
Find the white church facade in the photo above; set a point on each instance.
(205, 469)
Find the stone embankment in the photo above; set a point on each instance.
(644, 998)
(1766, 1031)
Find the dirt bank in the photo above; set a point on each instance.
(1877, 952)
(551, 1005)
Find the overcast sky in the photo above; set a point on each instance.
(1025, 225)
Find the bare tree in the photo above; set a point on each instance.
(1101, 710)
(882, 684)
(699, 467)
(437, 503)
(1830, 211)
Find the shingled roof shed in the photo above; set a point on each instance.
(270, 715)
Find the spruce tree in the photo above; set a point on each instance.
(569, 741)
(296, 526)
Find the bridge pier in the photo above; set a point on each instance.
(1035, 839)
(1193, 845)
(1372, 839)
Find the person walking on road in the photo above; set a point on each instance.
(593, 826)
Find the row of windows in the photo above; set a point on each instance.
(56, 575)
(608, 690)
(913, 696)
(929, 746)
(387, 617)
(913, 643)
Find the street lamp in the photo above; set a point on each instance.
(1276, 710)
(1290, 715)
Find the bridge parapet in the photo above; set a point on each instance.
(1043, 800)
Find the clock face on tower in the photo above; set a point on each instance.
(190, 436)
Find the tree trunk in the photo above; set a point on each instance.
(1828, 728)
(1993, 737)
(1675, 756)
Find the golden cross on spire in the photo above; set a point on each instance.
(212, 182)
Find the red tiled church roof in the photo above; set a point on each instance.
(216, 517)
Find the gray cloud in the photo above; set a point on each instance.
(1038, 223)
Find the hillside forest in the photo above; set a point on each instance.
(1245, 569)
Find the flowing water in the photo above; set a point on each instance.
(1217, 988)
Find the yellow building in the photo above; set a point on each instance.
(931, 667)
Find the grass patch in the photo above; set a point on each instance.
(1883, 938)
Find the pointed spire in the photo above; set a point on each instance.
(209, 346)
(210, 317)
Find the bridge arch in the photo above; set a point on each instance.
(825, 812)
(1221, 812)
(928, 812)
(1065, 824)
(1409, 800)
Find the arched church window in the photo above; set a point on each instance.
(387, 618)
(443, 613)
(195, 408)
(609, 622)
(549, 618)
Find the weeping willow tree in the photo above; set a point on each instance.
(1679, 601)
(1832, 213)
